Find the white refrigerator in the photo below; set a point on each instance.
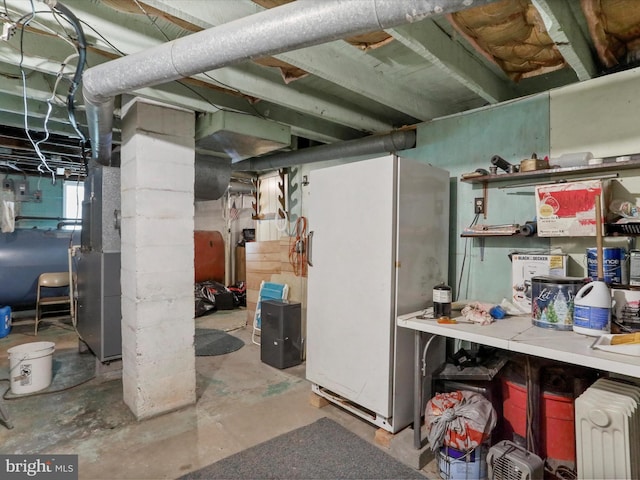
(380, 243)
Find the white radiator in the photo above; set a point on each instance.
(608, 431)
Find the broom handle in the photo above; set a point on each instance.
(599, 238)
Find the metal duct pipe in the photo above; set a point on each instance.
(392, 142)
(288, 27)
(240, 187)
(212, 175)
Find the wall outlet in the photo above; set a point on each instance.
(478, 205)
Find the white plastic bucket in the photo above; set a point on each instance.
(31, 366)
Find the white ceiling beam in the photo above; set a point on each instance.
(428, 40)
(254, 81)
(261, 82)
(567, 35)
(37, 110)
(54, 126)
(346, 66)
(278, 99)
(366, 76)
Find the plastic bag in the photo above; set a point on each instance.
(8, 217)
(462, 420)
(478, 312)
(205, 296)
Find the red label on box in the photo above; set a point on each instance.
(567, 209)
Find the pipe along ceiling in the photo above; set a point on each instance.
(288, 27)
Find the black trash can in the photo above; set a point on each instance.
(281, 333)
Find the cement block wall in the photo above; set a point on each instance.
(157, 173)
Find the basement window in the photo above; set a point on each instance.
(72, 197)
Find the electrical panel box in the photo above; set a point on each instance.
(281, 333)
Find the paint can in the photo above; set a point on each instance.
(634, 267)
(625, 307)
(613, 263)
(552, 301)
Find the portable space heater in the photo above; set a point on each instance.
(508, 461)
(608, 431)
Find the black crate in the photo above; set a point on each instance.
(281, 333)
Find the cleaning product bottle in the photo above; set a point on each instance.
(5, 321)
(592, 309)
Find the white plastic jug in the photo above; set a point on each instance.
(592, 309)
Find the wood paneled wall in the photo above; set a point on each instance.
(269, 261)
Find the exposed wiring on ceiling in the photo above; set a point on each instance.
(34, 21)
(52, 97)
(43, 160)
(120, 52)
(77, 77)
(24, 21)
(66, 38)
(6, 11)
(152, 20)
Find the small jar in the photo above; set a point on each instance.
(441, 301)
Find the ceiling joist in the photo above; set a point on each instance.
(566, 34)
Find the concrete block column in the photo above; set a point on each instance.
(157, 275)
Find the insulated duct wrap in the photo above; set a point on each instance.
(212, 176)
(282, 29)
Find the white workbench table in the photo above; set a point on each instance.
(517, 334)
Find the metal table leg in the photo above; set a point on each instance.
(419, 373)
(417, 391)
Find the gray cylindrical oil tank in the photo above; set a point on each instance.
(24, 255)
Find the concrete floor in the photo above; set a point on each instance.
(240, 402)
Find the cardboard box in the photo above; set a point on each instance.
(525, 266)
(569, 209)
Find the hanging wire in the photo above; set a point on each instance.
(6, 11)
(464, 257)
(43, 160)
(104, 38)
(59, 76)
(77, 77)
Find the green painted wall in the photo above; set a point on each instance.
(464, 142)
(50, 206)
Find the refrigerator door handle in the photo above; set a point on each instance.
(309, 249)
